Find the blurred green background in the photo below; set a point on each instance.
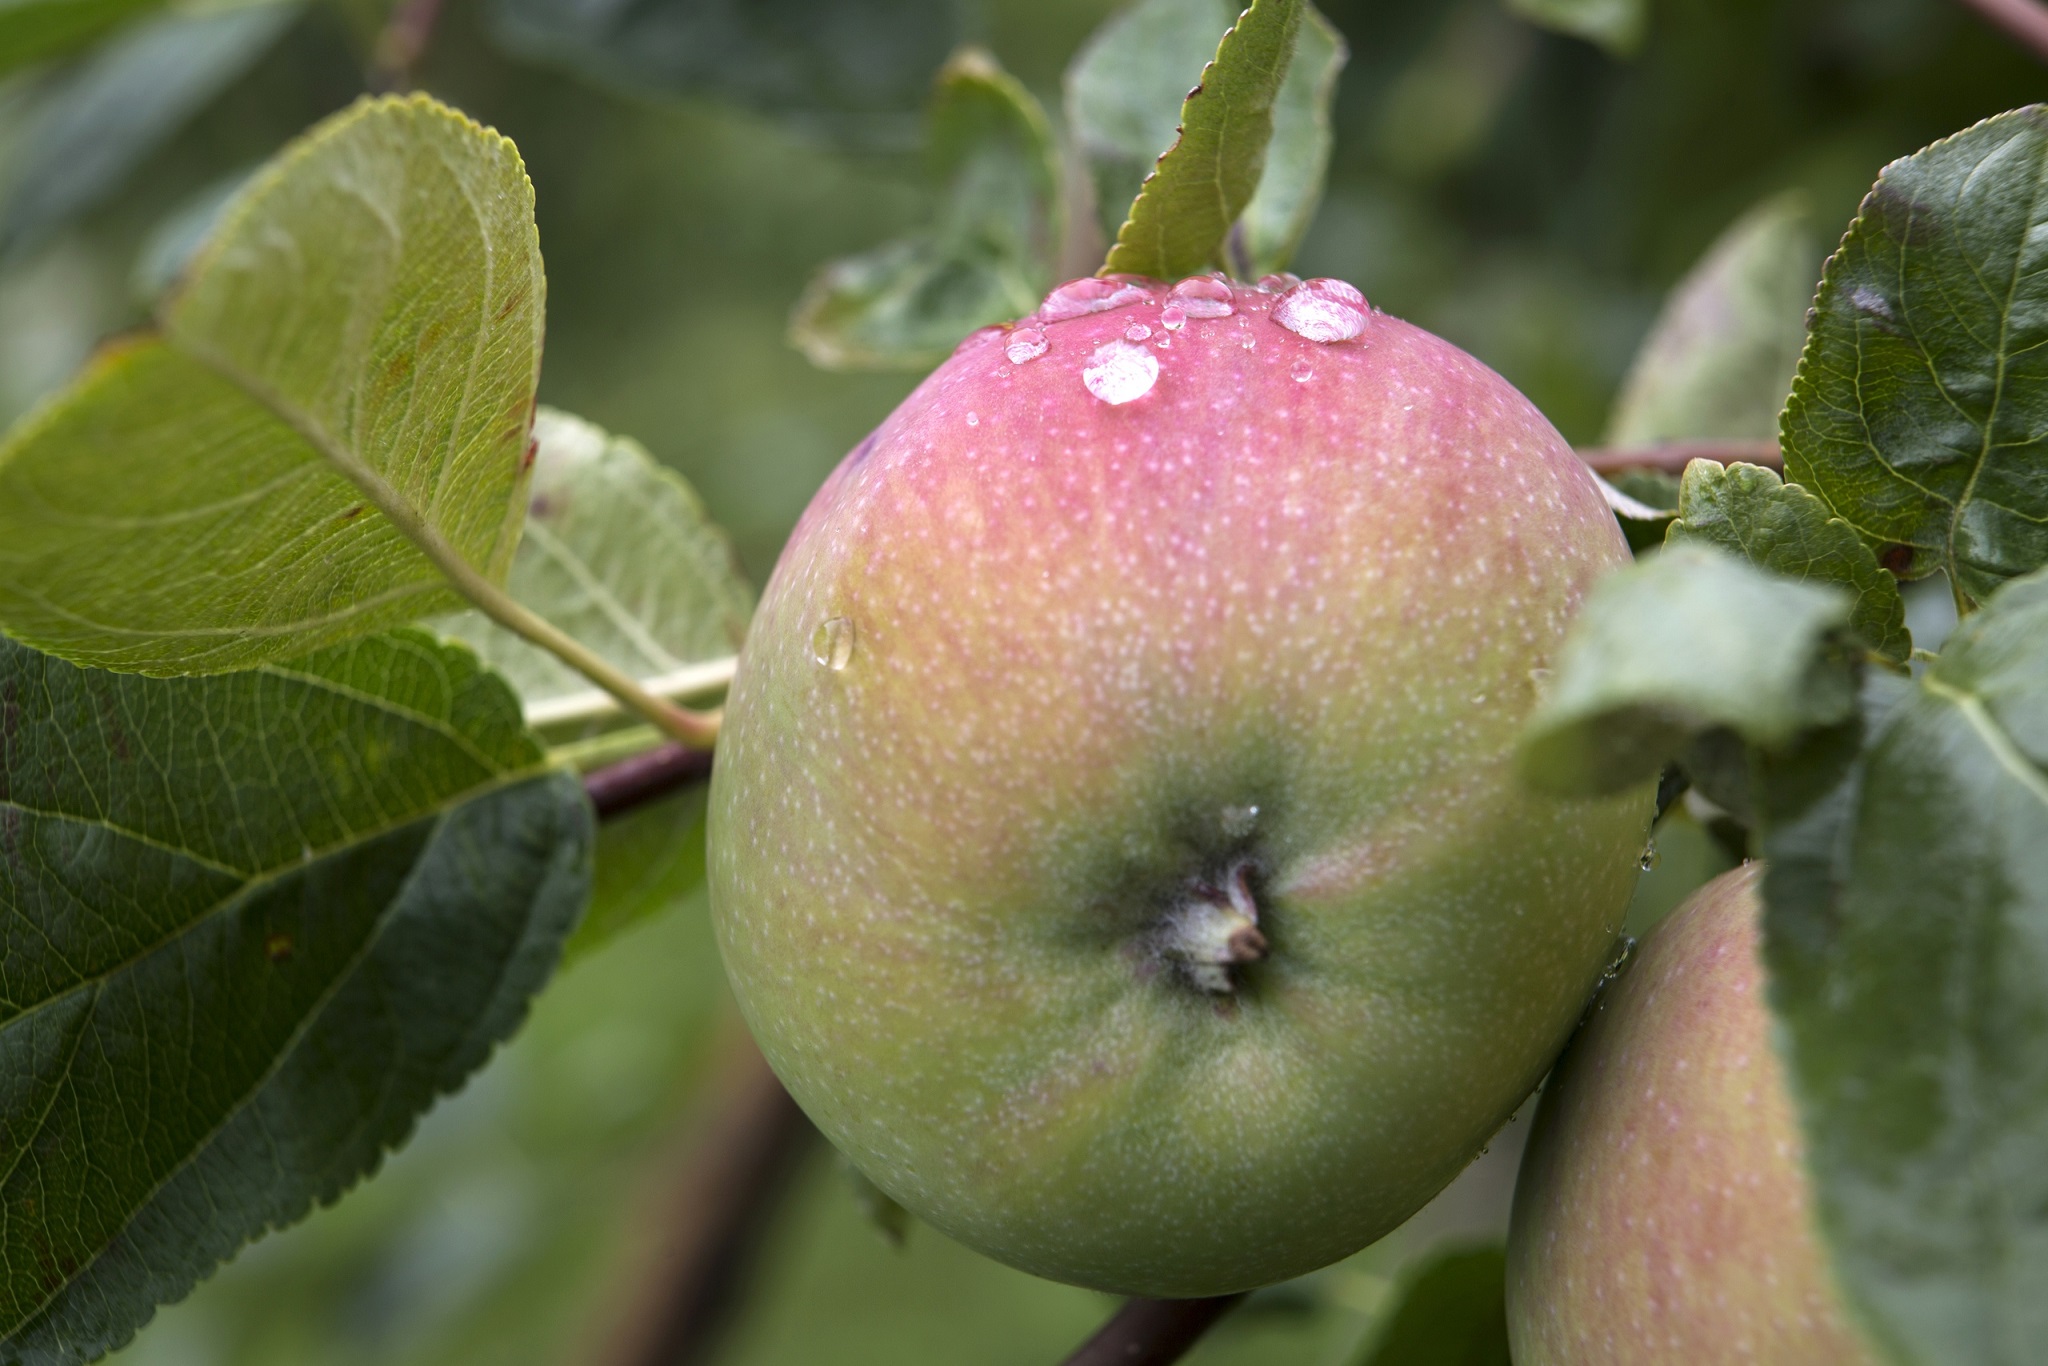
(1519, 192)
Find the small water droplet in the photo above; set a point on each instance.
(1650, 857)
(1120, 372)
(1173, 317)
(1280, 282)
(832, 643)
(1091, 294)
(973, 420)
(1239, 821)
(1322, 311)
(1248, 342)
(1137, 332)
(1624, 949)
(1026, 343)
(1302, 371)
(1479, 699)
(1204, 296)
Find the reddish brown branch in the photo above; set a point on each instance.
(1671, 457)
(618, 788)
(2025, 20)
(402, 43)
(710, 1223)
(1152, 1332)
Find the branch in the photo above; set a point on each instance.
(402, 43)
(1671, 457)
(710, 1222)
(618, 788)
(1152, 1332)
(2026, 21)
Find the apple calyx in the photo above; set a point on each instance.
(1214, 929)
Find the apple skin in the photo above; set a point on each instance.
(1026, 668)
(1663, 1215)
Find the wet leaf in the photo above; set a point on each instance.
(255, 925)
(1920, 413)
(345, 377)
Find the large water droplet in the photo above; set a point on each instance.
(1076, 298)
(832, 643)
(1279, 282)
(1173, 317)
(1026, 343)
(1302, 372)
(1121, 372)
(1204, 296)
(1322, 311)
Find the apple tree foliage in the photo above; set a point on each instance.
(311, 620)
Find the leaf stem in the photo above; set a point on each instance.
(632, 783)
(691, 680)
(2026, 21)
(1152, 1332)
(1672, 457)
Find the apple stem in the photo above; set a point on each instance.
(1152, 1332)
(630, 784)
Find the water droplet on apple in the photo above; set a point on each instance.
(1279, 282)
(1322, 311)
(1091, 294)
(1650, 857)
(1173, 317)
(1026, 343)
(1239, 821)
(832, 643)
(1120, 372)
(1302, 372)
(973, 420)
(1137, 332)
(1203, 296)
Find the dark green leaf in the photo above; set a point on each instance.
(1920, 414)
(1751, 512)
(255, 925)
(1617, 25)
(1688, 642)
(620, 554)
(1720, 358)
(100, 122)
(1907, 936)
(854, 67)
(1188, 205)
(344, 380)
(37, 30)
(1297, 158)
(987, 260)
(1453, 1312)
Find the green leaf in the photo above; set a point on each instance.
(1297, 158)
(620, 554)
(1690, 642)
(1920, 413)
(255, 925)
(1907, 937)
(854, 68)
(650, 861)
(1617, 25)
(90, 130)
(1751, 512)
(341, 389)
(1188, 205)
(1453, 1312)
(38, 30)
(1652, 489)
(1125, 88)
(987, 260)
(1720, 358)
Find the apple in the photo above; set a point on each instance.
(1663, 1215)
(1115, 845)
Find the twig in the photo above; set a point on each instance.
(711, 1221)
(2025, 20)
(618, 788)
(1152, 1332)
(402, 43)
(1673, 456)
(692, 680)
